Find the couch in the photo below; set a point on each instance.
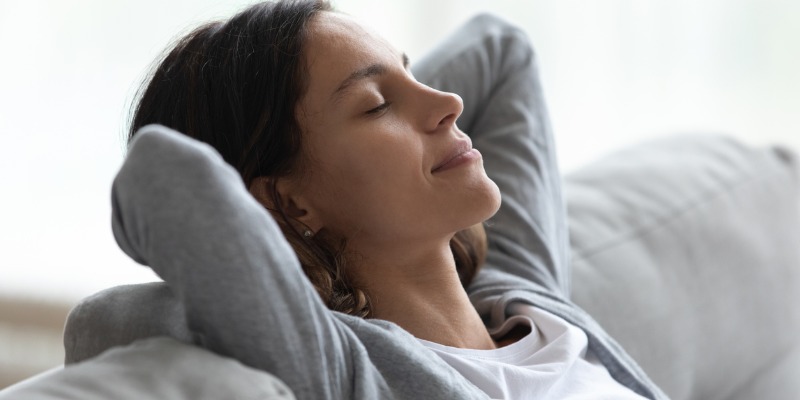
(686, 249)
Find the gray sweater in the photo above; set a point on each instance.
(179, 208)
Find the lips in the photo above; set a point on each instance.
(458, 149)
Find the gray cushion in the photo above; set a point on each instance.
(158, 368)
(686, 251)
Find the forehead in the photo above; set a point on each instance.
(337, 45)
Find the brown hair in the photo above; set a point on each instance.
(234, 84)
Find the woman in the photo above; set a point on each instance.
(380, 196)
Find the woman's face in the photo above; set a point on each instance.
(387, 163)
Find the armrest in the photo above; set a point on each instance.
(157, 368)
(121, 315)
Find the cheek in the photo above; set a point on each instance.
(359, 182)
(335, 180)
(374, 156)
(369, 176)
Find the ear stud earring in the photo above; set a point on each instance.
(307, 233)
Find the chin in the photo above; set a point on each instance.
(494, 198)
(486, 199)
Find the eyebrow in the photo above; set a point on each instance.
(361, 74)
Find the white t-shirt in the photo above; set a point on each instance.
(551, 362)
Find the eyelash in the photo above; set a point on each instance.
(379, 108)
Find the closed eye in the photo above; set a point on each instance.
(379, 108)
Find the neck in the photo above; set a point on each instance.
(424, 296)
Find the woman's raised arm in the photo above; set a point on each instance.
(179, 208)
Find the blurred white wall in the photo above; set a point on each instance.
(615, 72)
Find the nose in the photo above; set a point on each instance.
(441, 109)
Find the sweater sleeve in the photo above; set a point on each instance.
(179, 208)
(492, 65)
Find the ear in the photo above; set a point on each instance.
(291, 197)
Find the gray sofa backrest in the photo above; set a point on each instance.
(687, 250)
